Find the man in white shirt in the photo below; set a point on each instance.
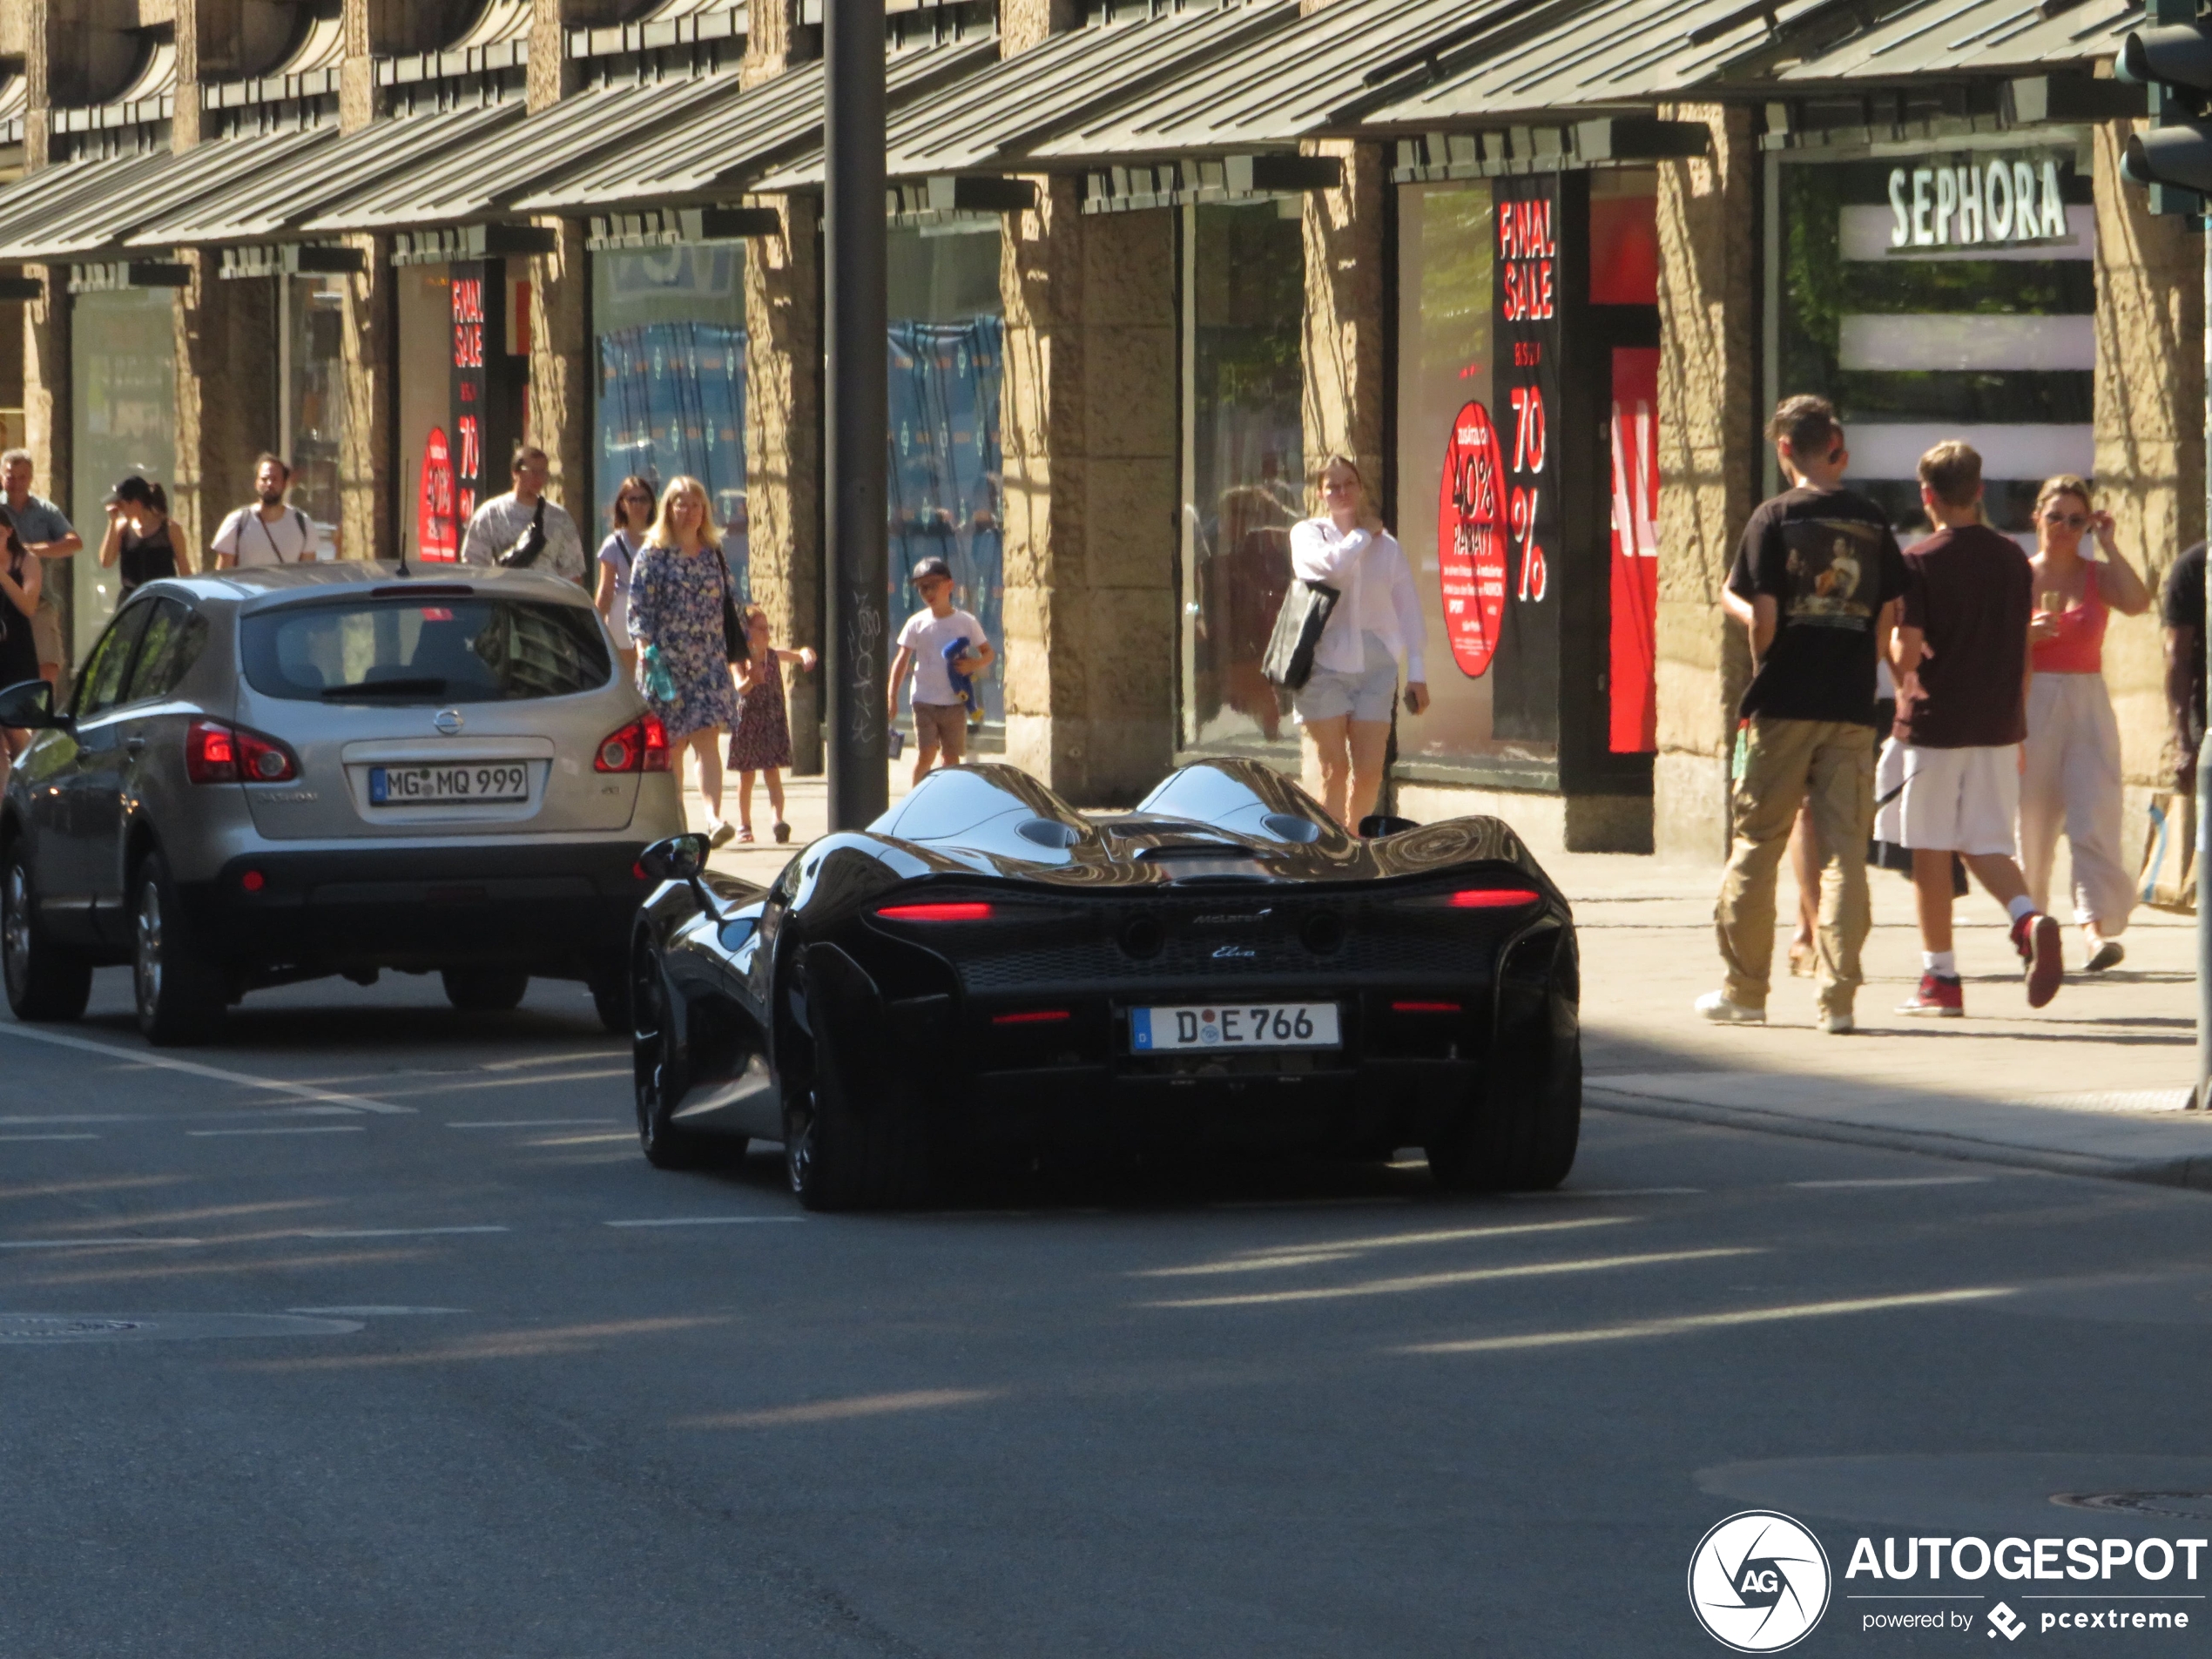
(500, 523)
(268, 532)
(940, 717)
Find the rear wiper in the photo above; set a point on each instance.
(388, 688)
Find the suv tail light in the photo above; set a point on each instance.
(640, 746)
(216, 753)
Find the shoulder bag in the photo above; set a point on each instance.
(734, 646)
(1306, 610)
(528, 544)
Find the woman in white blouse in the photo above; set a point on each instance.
(1344, 706)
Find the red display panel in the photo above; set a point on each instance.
(1624, 251)
(436, 536)
(1471, 540)
(1631, 681)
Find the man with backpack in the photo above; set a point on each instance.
(268, 532)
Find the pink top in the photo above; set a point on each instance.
(2079, 648)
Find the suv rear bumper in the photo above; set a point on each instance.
(555, 910)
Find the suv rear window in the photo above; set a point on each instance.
(478, 650)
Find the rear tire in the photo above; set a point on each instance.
(656, 1064)
(610, 986)
(485, 990)
(182, 992)
(44, 981)
(840, 1154)
(1517, 1139)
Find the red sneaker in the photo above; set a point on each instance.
(1939, 994)
(2036, 937)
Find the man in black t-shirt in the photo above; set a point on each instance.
(2180, 607)
(1815, 583)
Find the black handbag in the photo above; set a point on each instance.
(528, 544)
(735, 647)
(1306, 610)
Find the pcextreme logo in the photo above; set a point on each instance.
(1759, 1581)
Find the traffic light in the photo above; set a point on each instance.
(2172, 59)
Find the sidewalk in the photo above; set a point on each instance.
(2097, 1083)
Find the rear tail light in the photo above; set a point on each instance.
(955, 912)
(216, 753)
(1425, 1008)
(1493, 898)
(1033, 1016)
(640, 746)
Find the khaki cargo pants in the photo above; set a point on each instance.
(1828, 765)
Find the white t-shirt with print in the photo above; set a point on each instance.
(926, 635)
(254, 540)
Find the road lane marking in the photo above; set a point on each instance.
(701, 1221)
(395, 1232)
(1301, 1255)
(193, 1069)
(372, 1311)
(1438, 1281)
(532, 1122)
(1899, 1181)
(83, 1243)
(1705, 1322)
(21, 1120)
(586, 1140)
(839, 1411)
(49, 1138)
(295, 1129)
(552, 1059)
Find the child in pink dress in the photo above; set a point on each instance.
(761, 740)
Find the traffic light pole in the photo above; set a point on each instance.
(856, 416)
(2203, 1099)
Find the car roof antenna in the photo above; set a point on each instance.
(403, 570)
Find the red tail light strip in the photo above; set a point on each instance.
(974, 911)
(1493, 898)
(1033, 1016)
(1425, 1008)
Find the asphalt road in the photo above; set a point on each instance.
(503, 1389)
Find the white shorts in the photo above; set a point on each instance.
(1948, 800)
(1367, 695)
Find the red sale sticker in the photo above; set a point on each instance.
(435, 533)
(1471, 540)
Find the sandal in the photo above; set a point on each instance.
(783, 831)
(745, 836)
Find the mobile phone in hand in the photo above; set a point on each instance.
(898, 743)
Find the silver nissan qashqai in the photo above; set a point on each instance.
(272, 775)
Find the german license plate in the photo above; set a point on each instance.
(440, 785)
(1242, 1025)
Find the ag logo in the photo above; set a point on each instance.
(1758, 1583)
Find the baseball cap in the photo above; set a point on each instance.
(131, 488)
(924, 568)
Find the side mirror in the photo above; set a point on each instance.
(1375, 826)
(680, 857)
(29, 707)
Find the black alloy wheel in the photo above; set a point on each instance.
(44, 981)
(656, 1062)
(1519, 1132)
(181, 992)
(485, 990)
(844, 1150)
(610, 984)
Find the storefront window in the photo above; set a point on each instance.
(946, 354)
(125, 398)
(429, 521)
(1945, 294)
(1243, 309)
(671, 326)
(314, 389)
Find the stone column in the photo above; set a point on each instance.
(1087, 426)
(1708, 461)
(2150, 437)
(783, 449)
(1343, 346)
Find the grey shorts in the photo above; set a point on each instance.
(1365, 696)
(941, 726)
(46, 632)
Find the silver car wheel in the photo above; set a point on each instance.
(15, 929)
(147, 967)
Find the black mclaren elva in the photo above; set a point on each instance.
(985, 970)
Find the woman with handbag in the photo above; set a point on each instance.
(1344, 704)
(681, 608)
(2070, 776)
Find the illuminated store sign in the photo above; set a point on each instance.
(1980, 201)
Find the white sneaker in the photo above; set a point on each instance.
(1838, 1025)
(720, 834)
(1716, 1007)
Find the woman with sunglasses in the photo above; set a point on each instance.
(2070, 764)
(632, 516)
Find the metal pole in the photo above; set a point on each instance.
(857, 416)
(2203, 1093)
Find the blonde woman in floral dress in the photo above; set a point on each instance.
(675, 591)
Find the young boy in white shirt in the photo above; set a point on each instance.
(940, 717)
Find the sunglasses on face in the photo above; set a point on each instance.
(648, 500)
(2072, 521)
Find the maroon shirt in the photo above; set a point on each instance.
(1971, 594)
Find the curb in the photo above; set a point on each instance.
(2195, 1173)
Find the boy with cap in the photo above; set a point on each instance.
(940, 721)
